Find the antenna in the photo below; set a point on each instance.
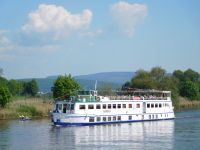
(95, 86)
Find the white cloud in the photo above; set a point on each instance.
(56, 19)
(5, 43)
(91, 33)
(127, 16)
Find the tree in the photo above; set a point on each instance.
(190, 89)
(143, 80)
(171, 83)
(15, 87)
(157, 73)
(5, 96)
(31, 88)
(179, 75)
(191, 75)
(65, 86)
(126, 86)
(3, 81)
(106, 90)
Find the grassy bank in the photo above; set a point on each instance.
(184, 103)
(32, 107)
(38, 107)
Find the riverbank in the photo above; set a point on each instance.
(184, 103)
(40, 108)
(31, 107)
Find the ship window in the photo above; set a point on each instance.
(160, 105)
(114, 106)
(104, 118)
(118, 105)
(91, 119)
(109, 106)
(59, 106)
(81, 106)
(129, 117)
(149, 116)
(129, 105)
(72, 107)
(90, 106)
(104, 106)
(124, 105)
(118, 117)
(138, 105)
(114, 118)
(98, 119)
(109, 118)
(152, 105)
(64, 108)
(98, 106)
(156, 105)
(148, 105)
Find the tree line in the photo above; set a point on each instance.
(11, 88)
(181, 83)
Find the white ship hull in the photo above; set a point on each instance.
(107, 111)
(69, 120)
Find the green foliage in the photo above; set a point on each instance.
(179, 75)
(106, 90)
(31, 88)
(28, 110)
(5, 96)
(186, 84)
(190, 89)
(65, 86)
(189, 84)
(15, 87)
(143, 80)
(157, 74)
(171, 83)
(3, 81)
(126, 85)
(191, 75)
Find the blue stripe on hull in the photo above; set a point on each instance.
(99, 123)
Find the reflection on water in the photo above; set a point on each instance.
(39, 134)
(147, 135)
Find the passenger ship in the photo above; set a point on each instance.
(90, 109)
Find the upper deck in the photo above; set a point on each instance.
(91, 96)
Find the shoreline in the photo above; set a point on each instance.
(30, 107)
(38, 108)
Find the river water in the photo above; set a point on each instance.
(183, 133)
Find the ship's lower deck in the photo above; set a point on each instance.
(73, 119)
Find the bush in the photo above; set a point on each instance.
(28, 110)
(5, 96)
(190, 90)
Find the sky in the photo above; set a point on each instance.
(40, 38)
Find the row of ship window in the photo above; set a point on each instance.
(104, 119)
(119, 106)
(118, 118)
(157, 105)
(108, 106)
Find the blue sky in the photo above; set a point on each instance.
(39, 38)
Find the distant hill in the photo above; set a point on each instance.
(111, 79)
(115, 77)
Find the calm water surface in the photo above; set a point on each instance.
(183, 133)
